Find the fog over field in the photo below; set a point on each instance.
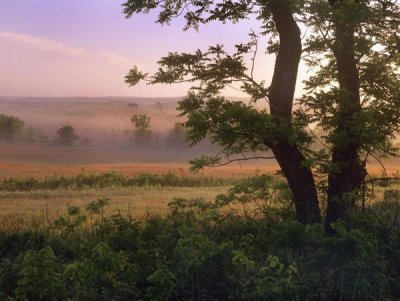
(101, 120)
(100, 124)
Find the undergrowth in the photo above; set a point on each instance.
(202, 251)
(112, 180)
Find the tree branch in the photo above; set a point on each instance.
(243, 159)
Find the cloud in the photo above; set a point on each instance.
(43, 44)
(115, 59)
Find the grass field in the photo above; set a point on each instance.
(27, 208)
(40, 207)
(43, 161)
(23, 170)
(34, 208)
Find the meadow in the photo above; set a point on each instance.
(39, 183)
(187, 243)
(111, 221)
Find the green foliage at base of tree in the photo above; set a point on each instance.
(203, 251)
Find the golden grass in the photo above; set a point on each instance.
(23, 170)
(40, 170)
(43, 206)
(38, 206)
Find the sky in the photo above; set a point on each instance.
(69, 48)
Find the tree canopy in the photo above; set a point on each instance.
(352, 94)
(142, 132)
(67, 135)
(10, 127)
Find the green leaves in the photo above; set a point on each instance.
(134, 76)
(351, 96)
(238, 128)
(204, 250)
(203, 161)
(162, 284)
(375, 25)
(194, 12)
(104, 273)
(211, 71)
(40, 277)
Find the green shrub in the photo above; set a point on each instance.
(39, 276)
(111, 180)
(204, 251)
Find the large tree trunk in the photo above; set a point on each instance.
(288, 155)
(348, 172)
(301, 182)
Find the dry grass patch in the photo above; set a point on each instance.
(30, 209)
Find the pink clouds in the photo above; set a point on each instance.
(60, 48)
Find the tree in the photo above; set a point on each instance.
(142, 133)
(354, 95)
(350, 45)
(67, 136)
(177, 136)
(10, 127)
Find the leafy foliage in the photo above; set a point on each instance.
(218, 250)
(39, 276)
(377, 58)
(351, 96)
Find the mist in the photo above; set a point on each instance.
(101, 124)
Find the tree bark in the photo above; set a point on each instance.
(288, 155)
(301, 182)
(348, 173)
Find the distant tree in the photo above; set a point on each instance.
(10, 127)
(31, 135)
(67, 136)
(142, 133)
(177, 136)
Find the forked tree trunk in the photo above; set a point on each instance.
(289, 156)
(349, 171)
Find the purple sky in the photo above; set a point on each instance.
(86, 47)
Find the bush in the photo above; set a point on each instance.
(203, 251)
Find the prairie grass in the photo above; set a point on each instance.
(113, 180)
(23, 169)
(38, 208)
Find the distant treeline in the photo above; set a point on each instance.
(143, 135)
(15, 130)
